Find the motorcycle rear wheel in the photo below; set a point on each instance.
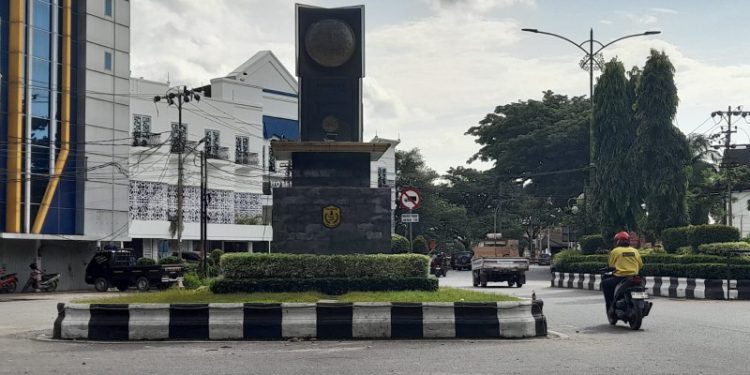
(10, 288)
(52, 286)
(636, 318)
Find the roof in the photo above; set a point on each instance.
(265, 70)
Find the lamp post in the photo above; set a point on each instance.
(590, 58)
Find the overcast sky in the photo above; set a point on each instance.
(436, 67)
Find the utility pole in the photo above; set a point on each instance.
(204, 210)
(178, 96)
(727, 145)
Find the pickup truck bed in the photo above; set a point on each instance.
(510, 269)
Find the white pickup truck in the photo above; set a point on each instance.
(498, 260)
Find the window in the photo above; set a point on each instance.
(178, 137)
(212, 143)
(382, 181)
(141, 124)
(271, 160)
(242, 150)
(108, 8)
(107, 60)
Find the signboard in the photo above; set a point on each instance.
(410, 198)
(409, 218)
(331, 216)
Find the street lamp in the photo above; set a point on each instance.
(590, 58)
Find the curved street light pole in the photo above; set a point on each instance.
(590, 58)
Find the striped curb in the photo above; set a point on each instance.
(269, 321)
(663, 286)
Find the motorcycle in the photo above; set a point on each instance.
(629, 303)
(437, 267)
(48, 284)
(8, 283)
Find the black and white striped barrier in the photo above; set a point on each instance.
(268, 321)
(673, 287)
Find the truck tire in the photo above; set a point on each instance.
(510, 283)
(101, 284)
(143, 284)
(475, 279)
(518, 284)
(483, 279)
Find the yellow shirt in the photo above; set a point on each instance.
(626, 261)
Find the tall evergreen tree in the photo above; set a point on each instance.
(660, 152)
(617, 198)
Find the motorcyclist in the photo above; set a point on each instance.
(626, 261)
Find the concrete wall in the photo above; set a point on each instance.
(69, 258)
(298, 220)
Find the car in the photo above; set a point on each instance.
(461, 260)
(544, 259)
(190, 256)
(119, 269)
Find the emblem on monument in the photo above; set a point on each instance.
(331, 216)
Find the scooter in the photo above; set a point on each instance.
(8, 283)
(629, 303)
(438, 268)
(48, 284)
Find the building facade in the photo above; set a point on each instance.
(383, 174)
(233, 120)
(64, 115)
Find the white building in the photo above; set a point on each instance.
(741, 212)
(383, 173)
(236, 117)
(65, 162)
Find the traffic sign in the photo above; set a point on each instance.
(410, 198)
(409, 218)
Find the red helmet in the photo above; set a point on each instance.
(622, 237)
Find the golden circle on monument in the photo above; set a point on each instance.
(330, 124)
(330, 42)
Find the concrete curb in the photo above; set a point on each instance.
(268, 321)
(672, 287)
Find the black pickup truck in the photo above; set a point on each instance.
(119, 269)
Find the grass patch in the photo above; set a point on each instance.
(205, 296)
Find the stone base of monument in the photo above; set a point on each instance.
(331, 220)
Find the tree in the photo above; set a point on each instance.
(703, 194)
(545, 140)
(616, 200)
(660, 151)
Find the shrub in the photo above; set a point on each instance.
(399, 244)
(419, 245)
(191, 280)
(145, 262)
(590, 244)
(333, 286)
(726, 248)
(563, 255)
(308, 266)
(705, 234)
(170, 260)
(675, 238)
(684, 250)
(215, 256)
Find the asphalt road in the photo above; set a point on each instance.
(679, 337)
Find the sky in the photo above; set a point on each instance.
(434, 68)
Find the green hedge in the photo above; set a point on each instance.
(590, 244)
(145, 262)
(399, 244)
(725, 248)
(705, 234)
(675, 238)
(170, 260)
(308, 266)
(332, 286)
(658, 259)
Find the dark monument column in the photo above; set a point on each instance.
(330, 208)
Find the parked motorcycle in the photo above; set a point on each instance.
(629, 302)
(438, 266)
(8, 282)
(47, 282)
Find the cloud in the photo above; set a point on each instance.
(476, 6)
(665, 10)
(605, 22)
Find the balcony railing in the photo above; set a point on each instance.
(246, 158)
(221, 153)
(146, 139)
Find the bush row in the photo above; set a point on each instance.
(590, 244)
(659, 259)
(308, 266)
(724, 248)
(696, 270)
(332, 286)
(695, 236)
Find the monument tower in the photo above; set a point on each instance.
(330, 208)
